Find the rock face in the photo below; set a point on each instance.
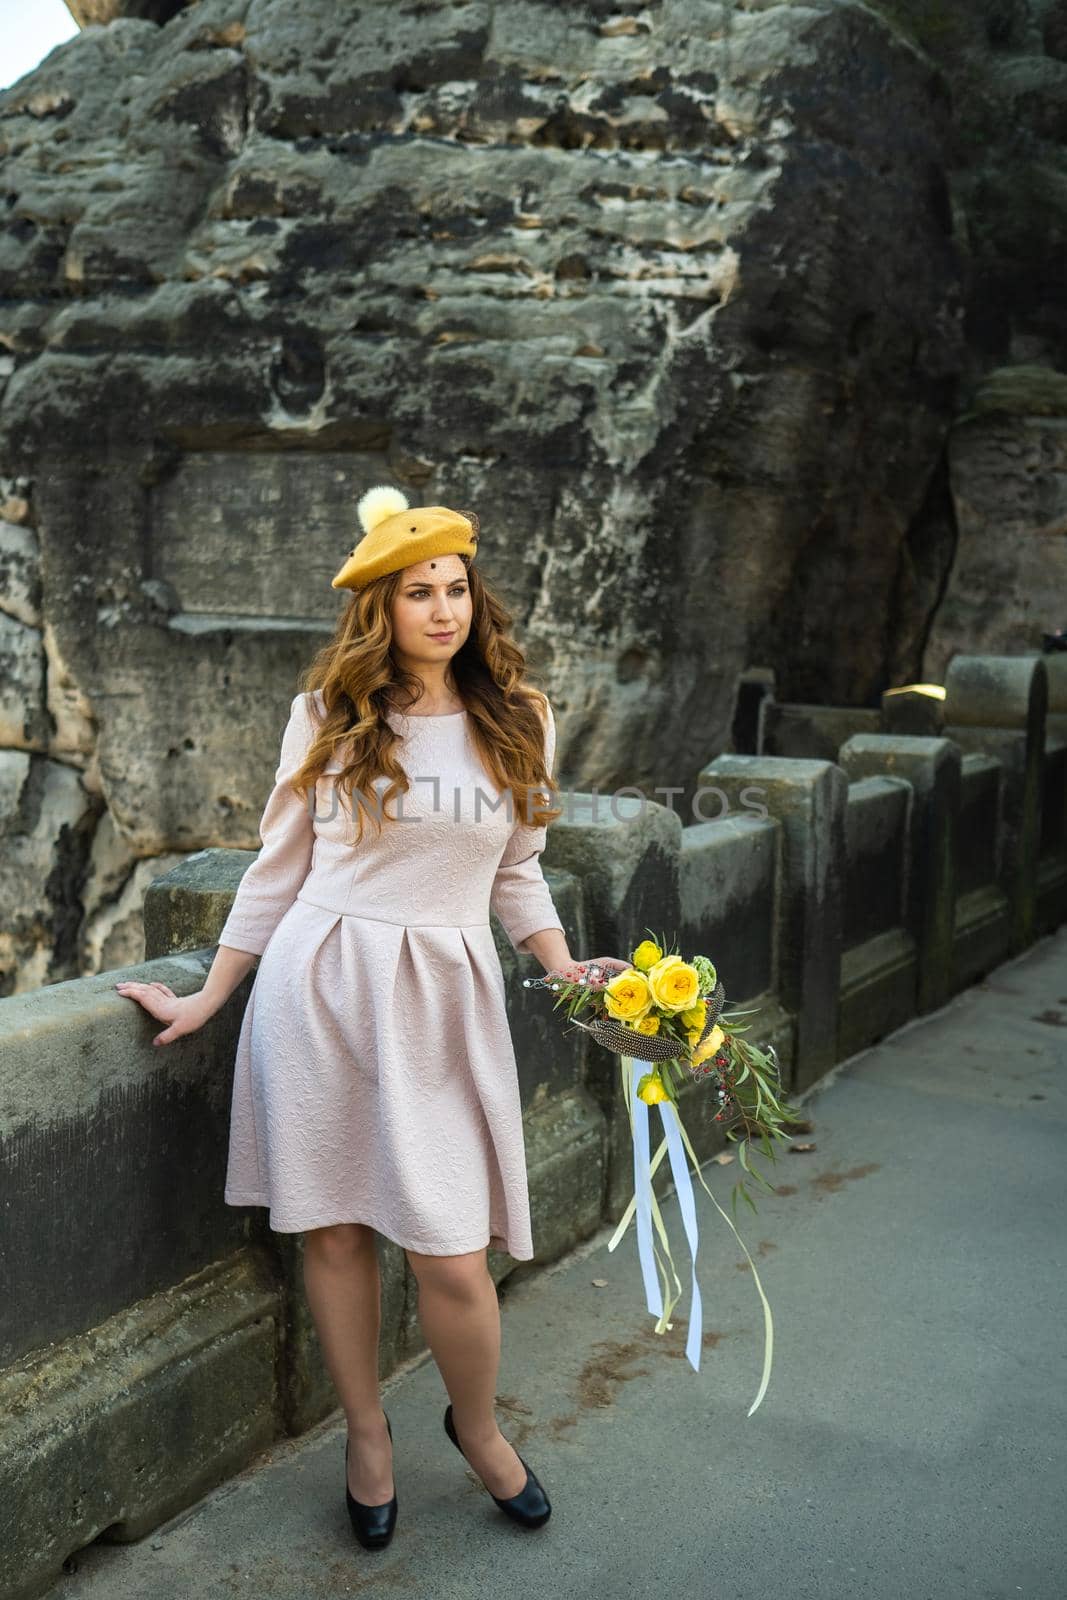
(1004, 460)
(86, 12)
(1008, 583)
(674, 298)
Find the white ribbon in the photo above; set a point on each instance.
(644, 1200)
(684, 1187)
(643, 1192)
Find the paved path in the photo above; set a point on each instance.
(911, 1444)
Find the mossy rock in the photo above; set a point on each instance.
(1021, 391)
(939, 27)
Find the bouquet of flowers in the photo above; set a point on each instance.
(668, 1014)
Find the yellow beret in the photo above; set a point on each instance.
(396, 535)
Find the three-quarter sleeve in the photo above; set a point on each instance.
(272, 882)
(520, 897)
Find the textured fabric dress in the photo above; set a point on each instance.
(375, 1077)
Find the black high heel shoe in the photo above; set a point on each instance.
(531, 1506)
(372, 1525)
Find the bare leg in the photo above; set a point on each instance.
(344, 1291)
(460, 1316)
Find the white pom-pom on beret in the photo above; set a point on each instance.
(378, 503)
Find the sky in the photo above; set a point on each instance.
(29, 29)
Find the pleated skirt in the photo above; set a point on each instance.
(375, 1081)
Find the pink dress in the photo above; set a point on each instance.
(375, 1077)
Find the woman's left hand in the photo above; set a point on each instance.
(574, 971)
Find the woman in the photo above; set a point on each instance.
(375, 1085)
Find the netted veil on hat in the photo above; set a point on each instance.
(396, 535)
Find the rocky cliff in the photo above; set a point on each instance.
(687, 301)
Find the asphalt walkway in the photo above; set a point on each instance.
(913, 1439)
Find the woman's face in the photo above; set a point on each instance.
(433, 597)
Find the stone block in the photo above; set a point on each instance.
(996, 706)
(103, 1136)
(727, 886)
(878, 962)
(1056, 671)
(931, 767)
(1052, 847)
(808, 799)
(917, 710)
(112, 1431)
(982, 931)
(812, 733)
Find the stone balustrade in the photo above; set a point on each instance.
(153, 1339)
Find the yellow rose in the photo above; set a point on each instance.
(696, 1016)
(709, 1047)
(650, 1089)
(646, 955)
(626, 997)
(647, 1024)
(674, 984)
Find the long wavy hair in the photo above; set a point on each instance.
(360, 681)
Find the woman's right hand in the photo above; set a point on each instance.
(184, 1013)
